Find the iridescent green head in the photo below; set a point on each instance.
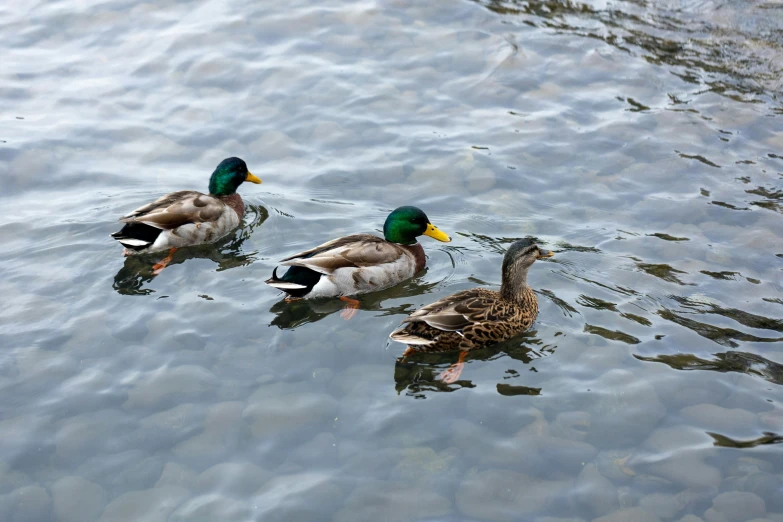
(405, 224)
(227, 177)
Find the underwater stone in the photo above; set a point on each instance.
(624, 411)
(235, 478)
(738, 506)
(593, 493)
(211, 508)
(391, 502)
(149, 505)
(505, 496)
(33, 504)
(664, 505)
(280, 499)
(629, 515)
(716, 418)
(319, 452)
(167, 384)
(77, 500)
(175, 474)
(769, 487)
(290, 415)
(572, 425)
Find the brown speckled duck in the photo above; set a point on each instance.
(476, 318)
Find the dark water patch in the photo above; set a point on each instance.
(723, 275)
(727, 442)
(662, 271)
(698, 157)
(596, 303)
(728, 205)
(612, 335)
(667, 237)
(510, 391)
(774, 199)
(635, 105)
(742, 317)
(724, 362)
(722, 336)
(577, 248)
(637, 319)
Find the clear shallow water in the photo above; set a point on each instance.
(640, 141)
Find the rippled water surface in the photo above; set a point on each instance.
(641, 141)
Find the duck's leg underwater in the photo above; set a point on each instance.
(452, 373)
(157, 268)
(351, 307)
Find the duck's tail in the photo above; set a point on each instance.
(137, 236)
(283, 285)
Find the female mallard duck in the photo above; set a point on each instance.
(359, 263)
(187, 217)
(478, 317)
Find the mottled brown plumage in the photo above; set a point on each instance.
(478, 317)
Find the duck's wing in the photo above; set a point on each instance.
(177, 209)
(355, 251)
(457, 311)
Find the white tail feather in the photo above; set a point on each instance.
(131, 242)
(284, 285)
(406, 338)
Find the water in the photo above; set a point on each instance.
(641, 141)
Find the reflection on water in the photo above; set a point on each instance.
(419, 373)
(728, 442)
(226, 253)
(743, 362)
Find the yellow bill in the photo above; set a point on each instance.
(544, 253)
(252, 179)
(434, 233)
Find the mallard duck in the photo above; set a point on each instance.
(359, 263)
(187, 218)
(477, 317)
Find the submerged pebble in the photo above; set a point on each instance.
(77, 500)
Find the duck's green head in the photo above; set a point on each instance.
(227, 177)
(405, 224)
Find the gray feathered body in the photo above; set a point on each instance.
(179, 219)
(351, 265)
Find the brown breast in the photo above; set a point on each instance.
(418, 254)
(235, 202)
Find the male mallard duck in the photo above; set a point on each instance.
(187, 217)
(478, 317)
(359, 263)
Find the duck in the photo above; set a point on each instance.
(475, 318)
(359, 263)
(187, 217)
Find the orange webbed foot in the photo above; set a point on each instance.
(452, 373)
(157, 268)
(351, 308)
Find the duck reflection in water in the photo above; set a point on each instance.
(420, 374)
(226, 252)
